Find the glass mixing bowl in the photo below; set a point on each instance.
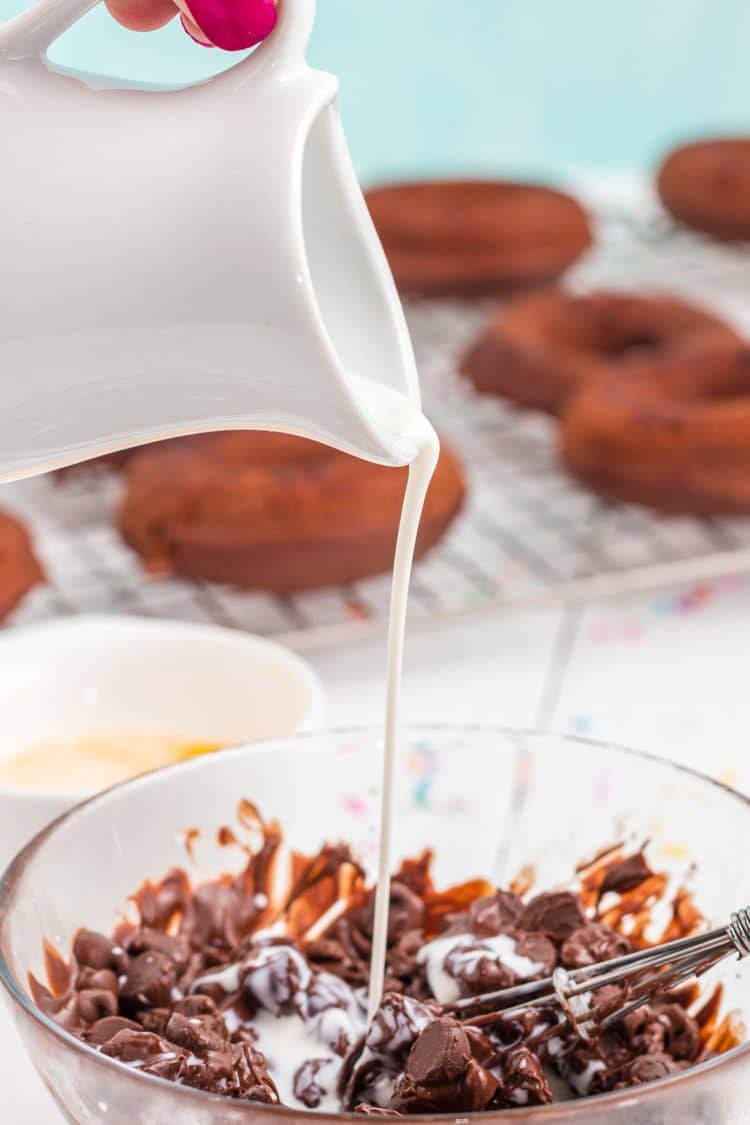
(489, 801)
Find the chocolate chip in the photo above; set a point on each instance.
(555, 915)
(592, 943)
(536, 948)
(106, 1029)
(482, 1047)
(585, 1069)
(197, 1004)
(244, 1035)
(275, 977)
(406, 972)
(95, 951)
(439, 1054)
(646, 1068)
(478, 965)
(383, 1052)
(473, 1090)
(103, 979)
(258, 1093)
(478, 1088)
(96, 1004)
(441, 1073)
(478, 969)
(146, 941)
(529, 1023)
(153, 1019)
(214, 1072)
(338, 956)
(644, 1030)
(251, 1075)
(197, 965)
(611, 1047)
(406, 911)
(324, 992)
(353, 931)
(306, 1089)
(495, 914)
(610, 998)
(523, 1074)
(137, 1046)
(197, 1034)
(171, 1067)
(398, 1021)
(149, 981)
(682, 1039)
(218, 917)
(626, 875)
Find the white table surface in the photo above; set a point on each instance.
(664, 671)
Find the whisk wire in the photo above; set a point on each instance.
(739, 931)
(643, 976)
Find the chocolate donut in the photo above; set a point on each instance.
(19, 567)
(267, 511)
(674, 435)
(467, 238)
(707, 186)
(539, 348)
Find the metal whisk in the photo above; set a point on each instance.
(641, 977)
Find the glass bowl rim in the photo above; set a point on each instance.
(566, 1111)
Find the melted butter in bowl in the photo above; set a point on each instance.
(92, 762)
(90, 701)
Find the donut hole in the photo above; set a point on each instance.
(540, 349)
(631, 344)
(602, 332)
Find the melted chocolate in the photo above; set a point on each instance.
(216, 986)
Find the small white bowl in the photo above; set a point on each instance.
(85, 675)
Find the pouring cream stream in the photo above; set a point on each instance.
(389, 407)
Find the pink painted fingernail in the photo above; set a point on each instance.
(233, 25)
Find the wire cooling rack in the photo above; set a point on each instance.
(528, 534)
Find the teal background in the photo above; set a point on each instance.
(531, 86)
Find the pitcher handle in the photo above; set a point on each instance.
(287, 44)
(32, 33)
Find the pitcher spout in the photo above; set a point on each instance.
(358, 317)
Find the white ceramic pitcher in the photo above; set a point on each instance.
(178, 260)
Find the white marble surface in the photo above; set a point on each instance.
(664, 671)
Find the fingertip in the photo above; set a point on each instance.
(142, 15)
